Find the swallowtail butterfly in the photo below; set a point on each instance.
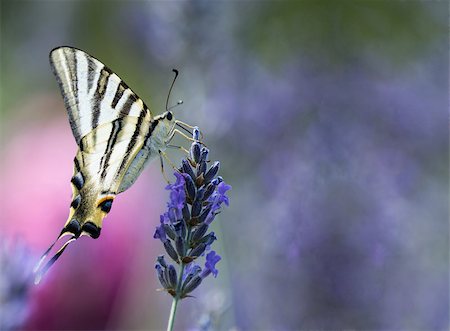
(117, 136)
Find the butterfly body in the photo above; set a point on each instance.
(116, 133)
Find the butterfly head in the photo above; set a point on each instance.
(166, 120)
(163, 125)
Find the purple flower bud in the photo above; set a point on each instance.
(208, 239)
(170, 250)
(196, 208)
(187, 168)
(192, 285)
(162, 261)
(198, 250)
(166, 277)
(180, 246)
(199, 232)
(160, 233)
(204, 214)
(200, 193)
(161, 278)
(180, 228)
(208, 191)
(201, 168)
(190, 271)
(172, 273)
(195, 151)
(210, 217)
(186, 213)
(203, 155)
(169, 231)
(212, 172)
(195, 133)
(190, 187)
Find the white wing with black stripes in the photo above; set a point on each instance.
(116, 135)
(92, 93)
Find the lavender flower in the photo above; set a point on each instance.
(210, 266)
(195, 199)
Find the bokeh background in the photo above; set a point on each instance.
(330, 119)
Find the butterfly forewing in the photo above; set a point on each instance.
(92, 93)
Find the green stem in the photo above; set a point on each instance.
(176, 298)
(173, 311)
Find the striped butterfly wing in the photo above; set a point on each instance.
(108, 120)
(93, 94)
(116, 135)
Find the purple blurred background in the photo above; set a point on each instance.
(330, 120)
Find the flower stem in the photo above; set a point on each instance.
(176, 298)
(173, 311)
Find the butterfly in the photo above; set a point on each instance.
(116, 134)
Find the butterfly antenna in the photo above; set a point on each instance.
(170, 90)
(179, 102)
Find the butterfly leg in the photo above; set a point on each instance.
(172, 135)
(174, 131)
(164, 155)
(178, 147)
(162, 167)
(178, 122)
(183, 126)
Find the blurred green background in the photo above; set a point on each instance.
(330, 119)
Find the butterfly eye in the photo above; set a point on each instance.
(74, 227)
(169, 116)
(92, 230)
(105, 205)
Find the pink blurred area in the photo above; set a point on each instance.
(96, 284)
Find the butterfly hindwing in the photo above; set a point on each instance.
(92, 93)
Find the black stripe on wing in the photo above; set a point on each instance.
(117, 127)
(132, 143)
(125, 110)
(118, 95)
(102, 83)
(68, 88)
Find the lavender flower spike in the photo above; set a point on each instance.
(195, 199)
